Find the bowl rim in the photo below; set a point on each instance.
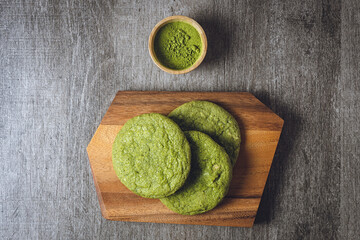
(177, 18)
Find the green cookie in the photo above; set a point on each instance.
(209, 178)
(213, 120)
(151, 156)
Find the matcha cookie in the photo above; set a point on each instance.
(151, 156)
(213, 120)
(209, 178)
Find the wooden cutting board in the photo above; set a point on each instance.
(260, 132)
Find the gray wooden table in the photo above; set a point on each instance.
(61, 63)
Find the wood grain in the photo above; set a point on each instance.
(260, 132)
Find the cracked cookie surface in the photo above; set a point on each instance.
(209, 178)
(209, 118)
(151, 155)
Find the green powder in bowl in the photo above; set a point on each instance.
(177, 45)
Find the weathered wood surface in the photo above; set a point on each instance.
(260, 131)
(61, 63)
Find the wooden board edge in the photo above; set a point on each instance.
(245, 223)
(267, 177)
(97, 188)
(170, 92)
(279, 118)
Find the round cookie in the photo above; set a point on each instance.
(209, 177)
(151, 155)
(213, 120)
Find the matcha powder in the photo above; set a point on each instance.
(177, 45)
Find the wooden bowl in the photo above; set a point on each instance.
(170, 19)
